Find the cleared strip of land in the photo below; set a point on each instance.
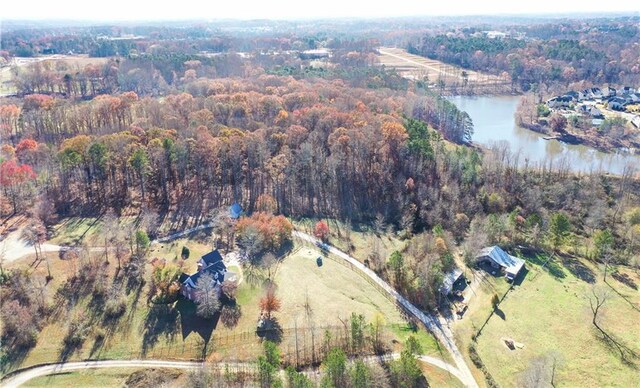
(416, 67)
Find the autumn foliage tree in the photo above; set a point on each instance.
(273, 231)
(15, 180)
(270, 303)
(321, 230)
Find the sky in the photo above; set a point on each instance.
(294, 9)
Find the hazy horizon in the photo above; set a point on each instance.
(120, 10)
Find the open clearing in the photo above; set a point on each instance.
(74, 62)
(549, 313)
(358, 242)
(332, 291)
(417, 68)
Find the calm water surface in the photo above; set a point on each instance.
(494, 122)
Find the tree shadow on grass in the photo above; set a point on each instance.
(626, 355)
(578, 269)
(98, 344)
(500, 313)
(548, 263)
(14, 356)
(160, 322)
(68, 348)
(190, 322)
(272, 331)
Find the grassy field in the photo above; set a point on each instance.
(332, 291)
(549, 313)
(102, 377)
(359, 241)
(6, 85)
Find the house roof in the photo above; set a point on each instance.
(511, 264)
(213, 264)
(212, 258)
(183, 277)
(235, 210)
(449, 279)
(217, 270)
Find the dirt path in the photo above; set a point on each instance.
(436, 326)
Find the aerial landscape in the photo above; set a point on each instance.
(363, 195)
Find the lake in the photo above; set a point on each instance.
(494, 122)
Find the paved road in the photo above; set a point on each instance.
(23, 377)
(436, 326)
(39, 371)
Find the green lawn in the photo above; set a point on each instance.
(549, 312)
(359, 241)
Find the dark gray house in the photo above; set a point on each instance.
(210, 263)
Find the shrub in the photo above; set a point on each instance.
(185, 253)
(115, 307)
(77, 331)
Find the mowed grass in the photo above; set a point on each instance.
(99, 377)
(359, 242)
(549, 313)
(332, 291)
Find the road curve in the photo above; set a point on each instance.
(432, 323)
(44, 370)
(23, 377)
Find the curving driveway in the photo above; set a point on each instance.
(435, 325)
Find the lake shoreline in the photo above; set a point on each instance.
(495, 124)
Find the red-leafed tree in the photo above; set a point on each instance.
(321, 230)
(15, 179)
(270, 302)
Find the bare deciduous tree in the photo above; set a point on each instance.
(207, 296)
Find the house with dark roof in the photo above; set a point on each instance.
(573, 94)
(596, 92)
(212, 264)
(617, 103)
(591, 111)
(609, 92)
(559, 102)
(499, 259)
(627, 90)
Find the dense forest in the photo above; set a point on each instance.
(542, 53)
(318, 147)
